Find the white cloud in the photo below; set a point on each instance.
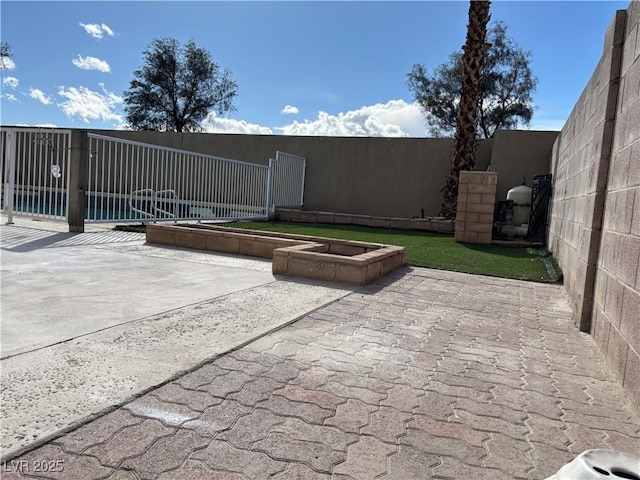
(10, 97)
(91, 63)
(396, 118)
(215, 124)
(7, 63)
(97, 30)
(289, 110)
(12, 82)
(39, 95)
(89, 105)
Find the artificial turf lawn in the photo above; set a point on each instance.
(427, 249)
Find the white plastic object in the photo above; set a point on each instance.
(600, 464)
(521, 196)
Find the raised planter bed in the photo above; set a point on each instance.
(344, 261)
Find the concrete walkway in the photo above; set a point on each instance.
(423, 375)
(91, 320)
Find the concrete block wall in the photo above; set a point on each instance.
(594, 229)
(579, 168)
(616, 316)
(476, 204)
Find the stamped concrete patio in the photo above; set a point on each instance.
(423, 374)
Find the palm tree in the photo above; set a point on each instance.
(464, 149)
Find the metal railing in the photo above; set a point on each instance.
(137, 182)
(288, 180)
(149, 196)
(129, 181)
(35, 166)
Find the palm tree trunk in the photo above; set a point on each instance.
(464, 149)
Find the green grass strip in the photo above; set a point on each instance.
(427, 249)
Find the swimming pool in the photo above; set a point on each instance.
(134, 210)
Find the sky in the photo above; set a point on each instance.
(302, 68)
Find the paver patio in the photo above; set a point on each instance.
(424, 374)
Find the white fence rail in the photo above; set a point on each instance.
(136, 182)
(288, 180)
(35, 166)
(128, 181)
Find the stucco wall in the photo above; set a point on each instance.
(594, 230)
(520, 153)
(389, 177)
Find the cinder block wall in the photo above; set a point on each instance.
(616, 316)
(595, 214)
(579, 167)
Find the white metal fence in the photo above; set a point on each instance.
(288, 179)
(130, 181)
(35, 172)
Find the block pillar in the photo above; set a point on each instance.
(476, 204)
(78, 172)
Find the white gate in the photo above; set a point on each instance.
(35, 172)
(288, 180)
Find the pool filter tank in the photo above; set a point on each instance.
(521, 197)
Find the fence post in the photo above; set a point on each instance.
(269, 198)
(304, 172)
(10, 173)
(79, 159)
